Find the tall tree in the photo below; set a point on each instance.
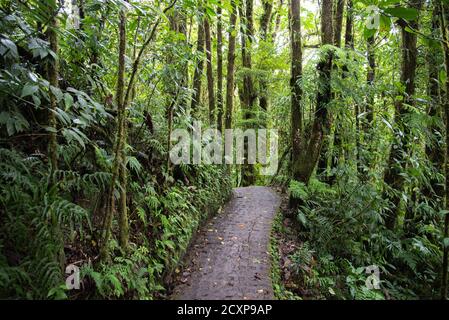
(277, 22)
(198, 73)
(321, 124)
(265, 18)
(118, 163)
(230, 66)
(338, 123)
(349, 32)
(219, 67)
(339, 12)
(310, 152)
(264, 28)
(398, 155)
(123, 100)
(371, 72)
(434, 149)
(249, 95)
(53, 79)
(296, 88)
(444, 24)
(209, 72)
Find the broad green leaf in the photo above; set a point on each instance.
(367, 33)
(442, 76)
(57, 93)
(68, 100)
(51, 129)
(385, 23)
(28, 90)
(446, 242)
(404, 13)
(8, 48)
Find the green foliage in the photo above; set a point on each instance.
(343, 230)
(52, 219)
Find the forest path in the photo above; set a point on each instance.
(229, 258)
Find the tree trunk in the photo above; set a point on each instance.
(338, 126)
(198, 69)
(444, 24)
(349, 44)
(209, 71)
(399, 149)
(349, 34)
(219, 68)
(310, 154)
(53, 79)
(230, 67)
(265, 18)
(370, 80)
(249, 95)
(118, 162)
(264, 26)
(434, 150)
(321, 124)
(277, 23)
(296, 88)
(338, 22)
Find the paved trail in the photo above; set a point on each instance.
(229, 258)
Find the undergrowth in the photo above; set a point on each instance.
(43, 230)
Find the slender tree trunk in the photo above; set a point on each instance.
(122, 137)
(311, 151)
(230, 66)
(435, 150)
(265, 18)
(170, 85)
(337, 149)
(338, 22)
(119, 144)
(198, 68)
(444, 24)
(370, 80)
(349, 33)
(321, 124)
(366, 124)
(53, 79)
(123, 208)
(209, 71)
(399, 149)
(349, 44)
(264, 26)
(296, 135)
(219, 68)
(296, 88)
(249, 95)
(277, 23)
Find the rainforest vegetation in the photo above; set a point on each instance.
(90, 91)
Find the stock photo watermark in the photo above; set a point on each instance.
(373, 17)
(210, 146)
(373, 280)
(73, 280)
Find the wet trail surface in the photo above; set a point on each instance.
(229, 258)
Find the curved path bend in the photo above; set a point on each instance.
(229, 258)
